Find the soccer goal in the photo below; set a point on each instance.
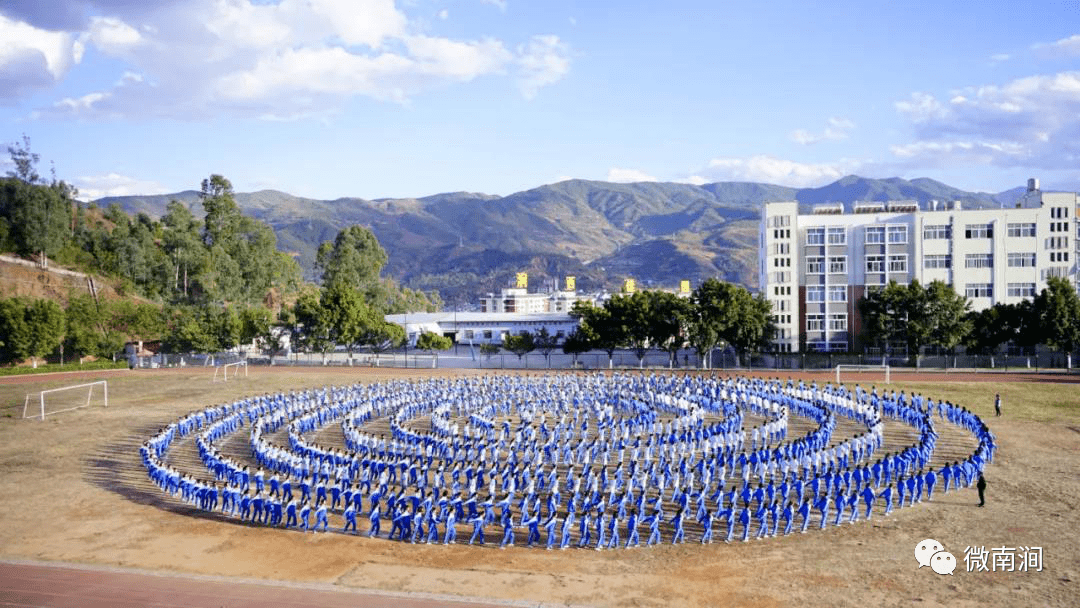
(861, 369)
(224, 370)
(40, 400)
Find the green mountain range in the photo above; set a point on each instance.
(463, 244)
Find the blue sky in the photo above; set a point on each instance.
(377, 98)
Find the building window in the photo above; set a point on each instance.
(838, 322)
(898, 263)
(815, 322)
(1057, 242)
(937, 231)
(897, 234)
(875, 235)
(1055, 271)
(468, 334)
(1021, 229)
(875, 263)
(815, 293)
(979, 290)
(815, 236)
(837, 236)
(487, 334)
(815, 265)
(1059, 256)
(937, 261)
(1021, 260)
(838, 293)
(979, 231)
(1021, 290)
(979, 260)
(838, 264)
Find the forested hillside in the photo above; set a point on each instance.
(202, 280)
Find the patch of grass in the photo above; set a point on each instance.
(50, 368)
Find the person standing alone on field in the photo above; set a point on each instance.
(981, 487)
(997, 404)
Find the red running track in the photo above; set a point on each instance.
(25, 585)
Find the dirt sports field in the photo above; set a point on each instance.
(73, 494)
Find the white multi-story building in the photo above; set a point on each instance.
(815, 267)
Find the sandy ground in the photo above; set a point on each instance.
(72, 490)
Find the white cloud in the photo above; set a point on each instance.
(543, 61)
(85, 102)
(444, 14)
(772, 170)
(920, 107)
(501, 4)
(114, 184)
(835, 129)
(458, 60)
(289, 59)
(1028, 122)
(616, 174)
(1066, 47)
(1000, 57)
(693, 180)
(112, 35)
(32, 58)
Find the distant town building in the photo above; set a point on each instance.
(483, 327)
(815, 267)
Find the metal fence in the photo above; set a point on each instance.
(464, 357)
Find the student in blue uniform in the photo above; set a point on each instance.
(350, 518)
(373, 515)
(508, 529)
(549, 526)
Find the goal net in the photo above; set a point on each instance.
(861, 372)
(223, 370)
(49, 402)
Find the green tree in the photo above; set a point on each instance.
(883, 315)
(255, 323)
(754, 325)
(990, 328)
(25, 162)
(183, 245)
(604, 332)
(348, 316)
(1057, 308)
(46, 324)
(545, 343)
(313, 323)
(715, 311)
(520, 344)
(576, 343)
(15, 333)
(355, 259)
(947, 312)
(489, 350)
(84, 335)
(383, 336)
(431, 342)
(916, 315)
(631, 316)
(670, 316)
(193, 329)
(35, 216)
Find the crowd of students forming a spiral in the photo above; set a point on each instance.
(585, 460)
